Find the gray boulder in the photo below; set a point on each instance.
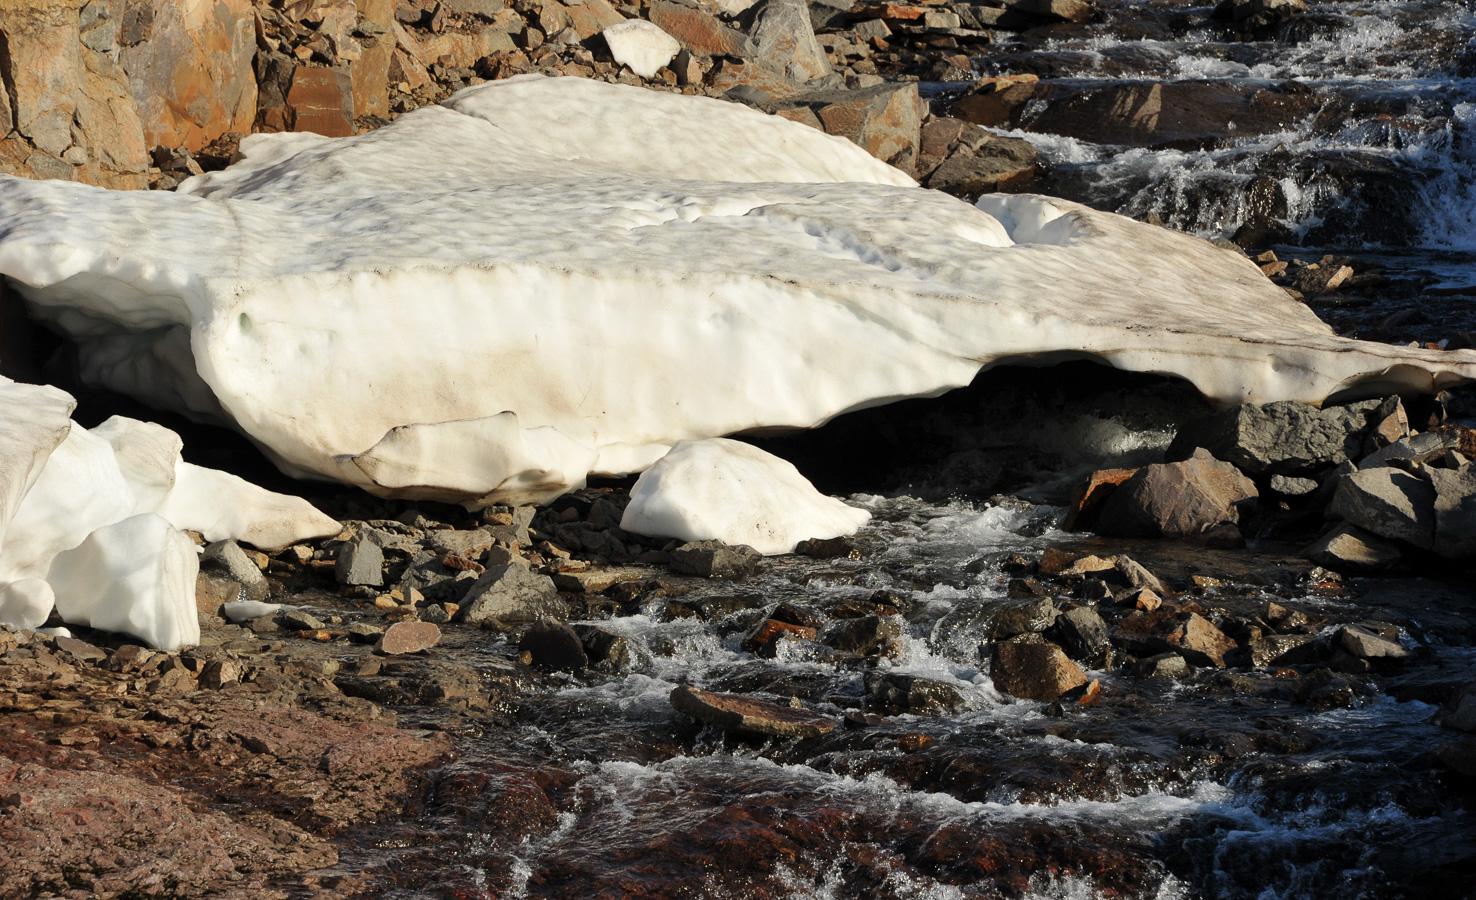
(228, 559)
(1285, 437)
(360, 561)
(1455, 511)
(714, 559)
(1348, 548)
(511, 595)
(1389, 503)
(1182, 499)
(784, 40)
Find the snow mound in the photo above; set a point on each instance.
(589, 273)
(91, 521)
(733, 492)
(642, 46)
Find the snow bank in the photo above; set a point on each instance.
(736, 493)
(92, 520)
(589, 273)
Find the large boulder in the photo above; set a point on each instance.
(582, 303)
(1280, 438)
(1182, 499)
(1033, 669)
(1388, 502)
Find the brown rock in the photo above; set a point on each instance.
(1054, 561)
(1029, 667)
(1090, 496)
(554, 645)
(765, 637)
(591, 17)
(322, 101)
(1182, 499)
(993, 107)
(214, 591)
(192, 76)
(730, 74)
(698, 31)
(883, 120)
(736, 712)
(408, 637)
(1189, 634)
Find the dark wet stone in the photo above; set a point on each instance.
(554, 645)
(1285, 650)
(1322, 690)
(829, 548)
(603, 648)
(714, 559)
(865, 636)
(1032, 617)
(1367, 644)
(795, 614)
(747, 715)
(1032, 668)
(1082, 632)
(1187, 633)
(1167, 666)
(714, 608)
(894, 694)
(766, 636)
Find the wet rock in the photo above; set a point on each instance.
(1082, 633)
(1257, 19)
(1364, 643)
(226, 558)
(1322, 690)
(1031, 668)
(1389, 503)
(511, 595)
(1460, 756)
(1348, 548)
(554, 645)
(408, 637)
(865, 636)
(764, 639)
(1285, 650)
(604, 649)
(1023, 618)
(893, 694)
(360, 562)
(797, 615)
(1187, 633)
(1139, 577)
(1164, 666)
(299, 620)
(747, 715)
(1284, 437)
(1183, 499)
(1143, 598)
(829, 548)
(714, 559)
(1459, 712)
(1088, 498)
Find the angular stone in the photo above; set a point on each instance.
(698, 31)
(408, 637)
(1139, 577)
(1031, 668)
(80, 650)
(894, 693)
(1182, 499)
(1031, 617)
(554, 645)
(1189, 634)
(1082, 632)
(322, 101)
(192, 77)
(1166, 666)
(590, 17)
(784, 41)
(1285, 437)
(1060, 10)
(511, 595)
(604, 648)
(593, 581)
(865, 636)
(1389, 503)
(1285, 650)
(714, 559)
(1090, 496)
(299, 620)
(219, 673)
(1289, 486)
(1455, 511)
(993, 108)
(765, 636)
(214, 591)
(1365, 644)
(1348, 548)
(746, 715)
(360, 561)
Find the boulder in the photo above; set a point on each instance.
(893, 693)
(1031, 617)
(554, 645)
(747, 715)
(1182, 499)
(191, 72)
(1348, 548)
(1455, 510)
(884, 120)
(360, 561)
(228, 559)
(1082, 633)
(783, 40)
(642, 46)
(1365, 643)
(698, 31)
(511, 595)
(865, 636)
(1388, 502)
(1280, 438)
(321, 101)
(1188, 634)
(714, 559)
(1088, 498)
(1031, 668)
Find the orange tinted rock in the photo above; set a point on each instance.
(321, 101)
(1087, 500)
(192, 75)
(697, 30)
(770, 632)
(591, 17)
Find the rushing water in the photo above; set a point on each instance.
(1222, 785)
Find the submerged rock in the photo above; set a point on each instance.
(747, 715)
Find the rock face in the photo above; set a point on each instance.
(958, 287)
(1182, 499)
(1390, 503)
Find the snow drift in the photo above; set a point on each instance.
(541, 278)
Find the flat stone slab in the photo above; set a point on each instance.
(593, 581)
(736, 712)
(408, 637)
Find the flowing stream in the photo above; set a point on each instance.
(1224, 784)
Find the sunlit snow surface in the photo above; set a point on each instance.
(487, 300)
